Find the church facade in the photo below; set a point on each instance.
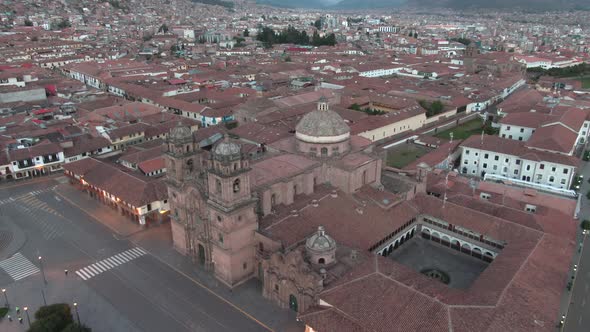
(218, 196)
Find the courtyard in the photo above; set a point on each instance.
(463, 131)
(404, 154)
(425, 256)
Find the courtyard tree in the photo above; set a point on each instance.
(585, 225)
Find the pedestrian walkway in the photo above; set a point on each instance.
(18, 267)
(38, 210)
(106, 264)
(31, 194)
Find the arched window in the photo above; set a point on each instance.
(218, 186)
(324, 152)
(260, 246)
(321, 261)
(273, 200)
(188, 148)
(189, 165)
(236, 186)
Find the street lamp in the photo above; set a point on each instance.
(5, 298)
(27, 312)
(42, 271)
(77, 314)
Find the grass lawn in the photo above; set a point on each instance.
(585, 82)
(403, 155)
(3, 312)
(463, 131)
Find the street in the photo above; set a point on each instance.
(578, 317)
(121, 282)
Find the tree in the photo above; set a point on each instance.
(55, 317)
(246, 33)
(585, 224)
(64, 23)
(415, 35)
(163, 28)
(318, 24)
(28, 23)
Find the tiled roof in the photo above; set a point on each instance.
(517, 148)
(130, 189)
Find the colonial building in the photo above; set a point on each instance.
(218, 196)
(319, 225)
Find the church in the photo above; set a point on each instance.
(351, 247)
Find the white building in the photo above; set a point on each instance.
(512, 159)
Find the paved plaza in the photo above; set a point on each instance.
(420, 255)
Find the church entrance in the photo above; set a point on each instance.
(293, 302)
(201, 254)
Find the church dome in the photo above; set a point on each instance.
(181, 133)
(322, 126)
(227, 150)
(320, 241)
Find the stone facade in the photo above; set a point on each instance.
(216, 205)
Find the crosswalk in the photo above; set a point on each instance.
(32, 193)
(37, 209)
(18, 267)
(104, 265)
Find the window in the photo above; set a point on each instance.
(465, 161)
(562, 181)
(518, 161)
(528, 167)
(466, 151)
(324, 152)
(496, 157)
(505, 169)
(245, 265)
(485, 165)
(220, 238)
(508, 128)
(520, 138)
(565, 171)
(522, 130)
(551, 179)
(236, 186)
(219, 218)
(553, 169)
(510, 136)
(503, 135)
(218, 186)
(149, 207)
(495, 167)
(515, 172)
(486, 156)
(277, 287)
(539, 177)
(506, 160)
(542, 166)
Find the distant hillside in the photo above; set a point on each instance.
(533, 5)
(358, 4)
(226, 4)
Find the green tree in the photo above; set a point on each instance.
(64, 23)
(585, 224)
(28, 23)
(318, 24)
(246, 33)
(163, 28)
(52, 318)
(415, 35)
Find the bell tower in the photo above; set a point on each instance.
(231, 213)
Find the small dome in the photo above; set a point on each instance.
(322, 125)
(226, 148)
(320, 241)
(180, 133)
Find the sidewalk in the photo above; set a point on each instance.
(247, 297)
(94, 311)
(584, 213)
(119, 224)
